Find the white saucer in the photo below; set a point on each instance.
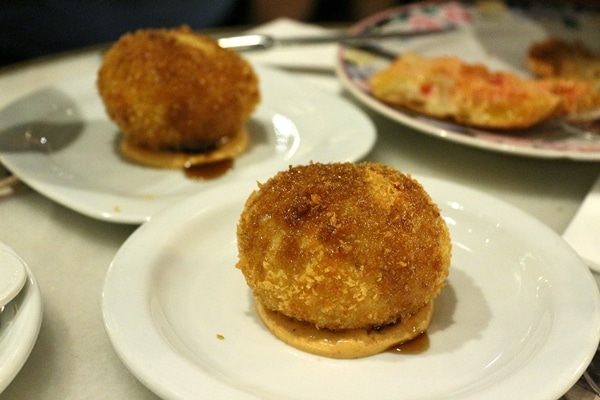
(19, 327)
(13, 276)
(60, 142)
(518, 319)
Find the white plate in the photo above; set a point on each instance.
(13, 276)
(60, 142)
(19, 327)
(502, 44)
(519, 318)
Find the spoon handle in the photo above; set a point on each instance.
(263, 42)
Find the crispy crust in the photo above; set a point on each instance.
(343, 245)
(175, 90)
(446, 87)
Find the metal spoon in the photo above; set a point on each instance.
(263, 42)
(13, 276)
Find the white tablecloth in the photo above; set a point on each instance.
(70, 253)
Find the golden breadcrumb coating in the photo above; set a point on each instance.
(176, 90)
(343, 245)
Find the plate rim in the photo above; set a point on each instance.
(161, 386)
(29, 323)
(431, 129)
(69, 197)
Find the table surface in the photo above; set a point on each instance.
(70, 253)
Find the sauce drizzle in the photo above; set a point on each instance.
(414, 346)
(208, 171)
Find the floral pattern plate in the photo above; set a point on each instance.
(497, 38)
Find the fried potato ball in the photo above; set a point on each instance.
(343, 245)
(176, 90)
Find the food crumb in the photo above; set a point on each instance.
(220, 337)
(117, 209)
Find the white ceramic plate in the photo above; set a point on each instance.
(60, 142)
(19, 327)
(501, 43)
(13, 276)
(518, 319)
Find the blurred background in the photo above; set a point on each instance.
(34, 28)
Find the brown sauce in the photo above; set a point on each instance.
(208, 171)
(415, 346)
(350, 343)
